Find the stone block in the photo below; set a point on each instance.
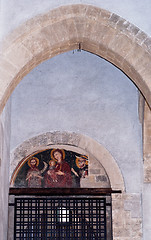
(53, 16)
(105, 14)
(60, 32)
(121, 44)
(49, 34)
(36, 43)
(21, 57)
(94, 171)
(70, 28)
(98, 32)
(123, 25)
(90, 46)
(114, 19)
(141, 37)
(80, 27)
(109, 35)
(79, 9)
(130, 57)
(6, 66)
(127, 222)
(93, 13)
(101, 178)
(111, 56)
(132, 30)
(147, 43)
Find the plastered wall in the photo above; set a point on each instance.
(4, 168)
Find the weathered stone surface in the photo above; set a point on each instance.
(123, 25)
(147, 43)
(101, 178)
(133, 30)
(147, 144)
(21, 57)
(95, 171)
(36, 43)
(114, 19)
(127, 222)
(121, 45)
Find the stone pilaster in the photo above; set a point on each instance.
(147, 144)
(127, 220)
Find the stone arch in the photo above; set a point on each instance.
(71, 27)
(74, 142)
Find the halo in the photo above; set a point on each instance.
(53, 150)
(84, 157)
(52, 160)
(37, 161)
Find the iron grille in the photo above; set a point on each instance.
(60, 218)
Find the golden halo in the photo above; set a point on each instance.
(52, 161)
(53, 150)
(84, 157)
(37, 161)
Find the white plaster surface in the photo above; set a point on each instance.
(4, 169)
(16, 12)
(80, 92)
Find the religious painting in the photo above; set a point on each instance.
(51, 168)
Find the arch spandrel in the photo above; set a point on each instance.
(70, 27)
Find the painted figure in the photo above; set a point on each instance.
(34, 174)
(80, 170)
(50, 178)
(63, 171)
(62, 168)
(82, 164)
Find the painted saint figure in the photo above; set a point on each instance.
(62, 169)
(50, 177)
(34, 174)
(82, 164)
(80, 170)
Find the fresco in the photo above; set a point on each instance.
(52, 168)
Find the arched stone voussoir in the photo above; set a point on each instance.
(78, 26)
(36, 43)
(18, 56)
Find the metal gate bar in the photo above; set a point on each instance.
(60, 218)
